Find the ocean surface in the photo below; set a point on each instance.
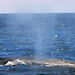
(44, 35)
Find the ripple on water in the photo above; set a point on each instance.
(22, 69)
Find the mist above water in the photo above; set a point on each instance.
(44, 32)
(39, 48)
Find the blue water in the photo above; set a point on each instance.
(18, 36)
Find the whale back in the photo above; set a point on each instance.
(31, 61)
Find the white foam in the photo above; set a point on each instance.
(15, 62)
(65, 64)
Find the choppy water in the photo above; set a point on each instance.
(18, 37)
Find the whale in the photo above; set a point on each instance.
(37, 65)
(30, 60)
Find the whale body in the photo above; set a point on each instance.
(32, 61)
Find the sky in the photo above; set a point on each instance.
(37, 6)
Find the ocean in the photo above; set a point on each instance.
(48, 35)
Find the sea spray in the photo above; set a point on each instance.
(45, 33)
(38, 43)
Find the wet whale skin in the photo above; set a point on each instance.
(39, 61)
